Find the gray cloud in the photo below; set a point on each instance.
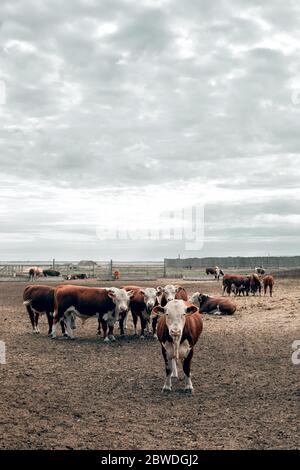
(121, 93)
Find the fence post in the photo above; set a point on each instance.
(165, 268)
(53, 263)
(111, 268)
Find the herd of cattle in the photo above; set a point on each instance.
(175, 318)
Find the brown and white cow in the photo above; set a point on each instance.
(165, 295)
(236, 283)
(39, 300)
(106, 304)
(216, 271)
(213, 305)
(142, 302)
(178, 330)
(34, 272)
(268, 282)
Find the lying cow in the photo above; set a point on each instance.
(39, 300)
(73, 277)
(255, 284)
(90, 302)
(216, 271)
(141, 304)
(50, 273)
(178, 330)
(268, 282)
(34, 273)
(215, 305)
(236, 283)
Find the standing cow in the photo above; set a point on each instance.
(236, 283)
(142, 302)
(166, 294)
(216, 271)
(178, 330)
(90, 302)
(34, 272)
(255, 284)
(215, 305)
(39, 300)
(268, 282)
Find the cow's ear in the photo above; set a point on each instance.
(111, 294)
(158, 310)
(131, 293)
(179, 288)
(159, 290)
(142, 292)
(191, 309)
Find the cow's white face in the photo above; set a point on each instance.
(150, 297)
(120, 298)
(194, 299)
(170, 292)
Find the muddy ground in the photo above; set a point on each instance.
(60, 394)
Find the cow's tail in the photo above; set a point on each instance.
(27, 302)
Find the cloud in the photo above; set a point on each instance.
(106, 96)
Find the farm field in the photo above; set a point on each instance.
(61, 394)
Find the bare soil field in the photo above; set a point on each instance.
(61, 394)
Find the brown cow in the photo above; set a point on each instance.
(141, 305)
(90, 302)
(255, 284)
(268, 281)
(216, 271)
(168, 293)
(240, 284)
(178, 331)
(39, 300)
(215, 305)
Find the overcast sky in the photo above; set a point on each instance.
(118, 112)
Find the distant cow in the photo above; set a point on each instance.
(215, 305)
(116, 275)
(50, 273)
(268, 282)
(178, 330)
(39, 300)
(260, 270)
(90, 302)
(255, 284)
(236, 283)
(72, 277)
(216, 271)
(34, 272)
(142, 302)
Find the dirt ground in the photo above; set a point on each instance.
(61, 394)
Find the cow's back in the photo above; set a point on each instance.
(88, 299)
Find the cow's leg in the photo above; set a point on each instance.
(99, 327)
(68, 320)
(121, 324)
(36, 322)
(168, 382)
(135, 319)
(111, 332)
(31, 316)
(104, 328)
(58, 316)
(271, 291)
(143, 326)
(174, 369)
(50, 322)
(154, 325)
(187, 372)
